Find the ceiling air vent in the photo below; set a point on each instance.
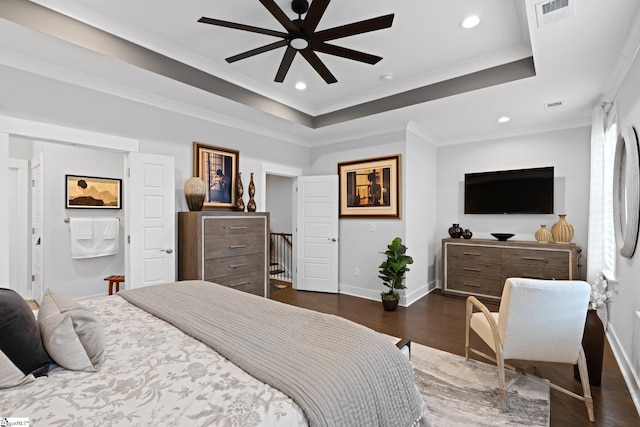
(554, 105)
(554, 10)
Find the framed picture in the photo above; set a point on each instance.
(91, 192)
(218, 167)
(370, 188)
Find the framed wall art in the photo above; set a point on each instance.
(370, 188)
(90, 192)
(218, 168)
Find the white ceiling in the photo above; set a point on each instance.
(576, 60)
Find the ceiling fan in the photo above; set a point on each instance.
(301, 36)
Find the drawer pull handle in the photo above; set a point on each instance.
(237, 246)
(237, 228)
(237, 265)
(473, 253)
(238, 284)
(472, 285)
(472, 269)
(531, 258)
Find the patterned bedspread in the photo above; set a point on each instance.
(154, 375)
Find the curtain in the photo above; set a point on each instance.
(596, 238)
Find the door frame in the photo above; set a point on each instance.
(10, 126)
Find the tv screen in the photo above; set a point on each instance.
(522, 191)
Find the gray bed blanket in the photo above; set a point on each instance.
(339, 372)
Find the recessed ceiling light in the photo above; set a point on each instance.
(504, 119)
(386, 77)
(470, 21)
(301, 85)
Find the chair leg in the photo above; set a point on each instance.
(468, 327)
(501, 378)
(586, 387)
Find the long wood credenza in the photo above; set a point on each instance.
(225, 247)
(480, 266)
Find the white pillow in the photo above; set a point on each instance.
(71, 333)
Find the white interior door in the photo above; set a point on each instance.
(151, 214)
(19, 232)
(317, 233)
(37, 261)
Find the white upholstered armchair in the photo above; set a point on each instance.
(538, 320)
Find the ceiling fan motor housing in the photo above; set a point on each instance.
(300, 6)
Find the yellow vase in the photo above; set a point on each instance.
(543, 235)
(562, 231)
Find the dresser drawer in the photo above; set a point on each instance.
(475, 285)
(221, 228)
(216, 247)
(473, 259)
(227, 266)
(247, 282)
(535, 264)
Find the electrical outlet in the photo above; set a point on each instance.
(356, 271)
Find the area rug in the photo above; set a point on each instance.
(460, 393)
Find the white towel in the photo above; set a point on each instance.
(81, 228)
(109, 227)
(104, 239)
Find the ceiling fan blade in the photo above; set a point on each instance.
(242, 27)
(352, 29)
(256, 51)
(317, 65)
(280, 16)
(287, 59)
(313, 16)
(346, 53)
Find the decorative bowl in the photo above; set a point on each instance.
(502, 236)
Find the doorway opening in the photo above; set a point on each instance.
(279, 204)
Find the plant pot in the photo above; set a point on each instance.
(593, 345)
(390, 304)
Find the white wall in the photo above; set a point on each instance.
(568, 151)
(420, 170)
(624, 310)
(361, 240)
(4, 212)
(253, 152)
(77, 278)
(280, 203)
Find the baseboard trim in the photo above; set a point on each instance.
(405, 299)
(626, 368)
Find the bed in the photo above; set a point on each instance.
(196, 353)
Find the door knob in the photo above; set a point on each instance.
(169, 251)
(333, 239)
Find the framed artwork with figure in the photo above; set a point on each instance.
(370, 188)
(218, 168)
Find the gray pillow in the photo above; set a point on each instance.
(10, 375)
(72, 334)
(22, 355)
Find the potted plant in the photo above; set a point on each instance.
(392, 272)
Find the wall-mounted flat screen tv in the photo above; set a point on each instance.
(521, 191)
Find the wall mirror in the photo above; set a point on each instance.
(626, 190)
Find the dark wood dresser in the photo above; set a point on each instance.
(481, 266)
(225, 247)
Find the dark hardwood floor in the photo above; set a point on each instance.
(438, 321)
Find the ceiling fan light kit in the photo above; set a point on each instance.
(302, 37)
